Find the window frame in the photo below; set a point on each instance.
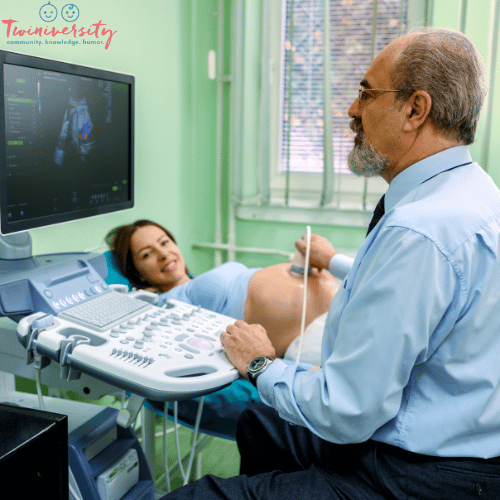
(267, 199)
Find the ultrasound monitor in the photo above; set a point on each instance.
(66, 142)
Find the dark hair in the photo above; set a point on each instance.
(118, 240)
(447, 65)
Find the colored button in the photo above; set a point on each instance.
(200, 343)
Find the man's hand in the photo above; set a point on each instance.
(244, 342)
(320, 253)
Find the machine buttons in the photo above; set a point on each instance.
(188, 340)
(190, 349)
(206, 337)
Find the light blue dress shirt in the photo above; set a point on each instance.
(411, 349)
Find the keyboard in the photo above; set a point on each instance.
(158, 353)
(105, 311)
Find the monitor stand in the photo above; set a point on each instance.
(15, 246)
(16, 254)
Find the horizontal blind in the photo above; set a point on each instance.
(358, 30)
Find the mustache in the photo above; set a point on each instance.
(356, 126)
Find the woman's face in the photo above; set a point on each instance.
(157, 258)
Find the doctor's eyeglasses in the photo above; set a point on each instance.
(363, 94)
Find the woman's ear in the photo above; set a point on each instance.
(417, 109)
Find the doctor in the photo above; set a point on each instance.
(406, 402)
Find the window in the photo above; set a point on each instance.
(305, 163)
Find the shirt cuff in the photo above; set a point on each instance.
(267, 379)
(340, 265)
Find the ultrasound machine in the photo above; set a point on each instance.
(66, 153)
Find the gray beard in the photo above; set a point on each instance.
(364, 160)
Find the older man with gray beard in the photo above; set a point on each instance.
(405, 403)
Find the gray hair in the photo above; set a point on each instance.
(447, 65)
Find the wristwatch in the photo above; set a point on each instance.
(256, 367)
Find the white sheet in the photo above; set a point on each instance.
(311, 345)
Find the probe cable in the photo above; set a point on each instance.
(304, 298)
(184, 473)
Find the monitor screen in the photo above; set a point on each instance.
(66, 142)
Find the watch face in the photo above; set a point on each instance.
(257, 363)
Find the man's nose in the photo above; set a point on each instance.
(354, 109)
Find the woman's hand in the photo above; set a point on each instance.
(244, 342)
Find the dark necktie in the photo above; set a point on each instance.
(377, 214)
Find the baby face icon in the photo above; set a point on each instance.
(48, 12)
(70, 12)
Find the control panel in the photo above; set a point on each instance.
(159, 353)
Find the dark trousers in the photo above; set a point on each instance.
(287, 462)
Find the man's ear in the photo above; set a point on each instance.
(417, 109)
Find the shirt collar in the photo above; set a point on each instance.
(422, 171)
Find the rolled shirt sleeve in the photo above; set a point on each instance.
(340, 265)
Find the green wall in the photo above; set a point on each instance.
(165, 43)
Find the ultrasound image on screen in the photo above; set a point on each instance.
(67, 142)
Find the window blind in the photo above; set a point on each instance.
(356, 31)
